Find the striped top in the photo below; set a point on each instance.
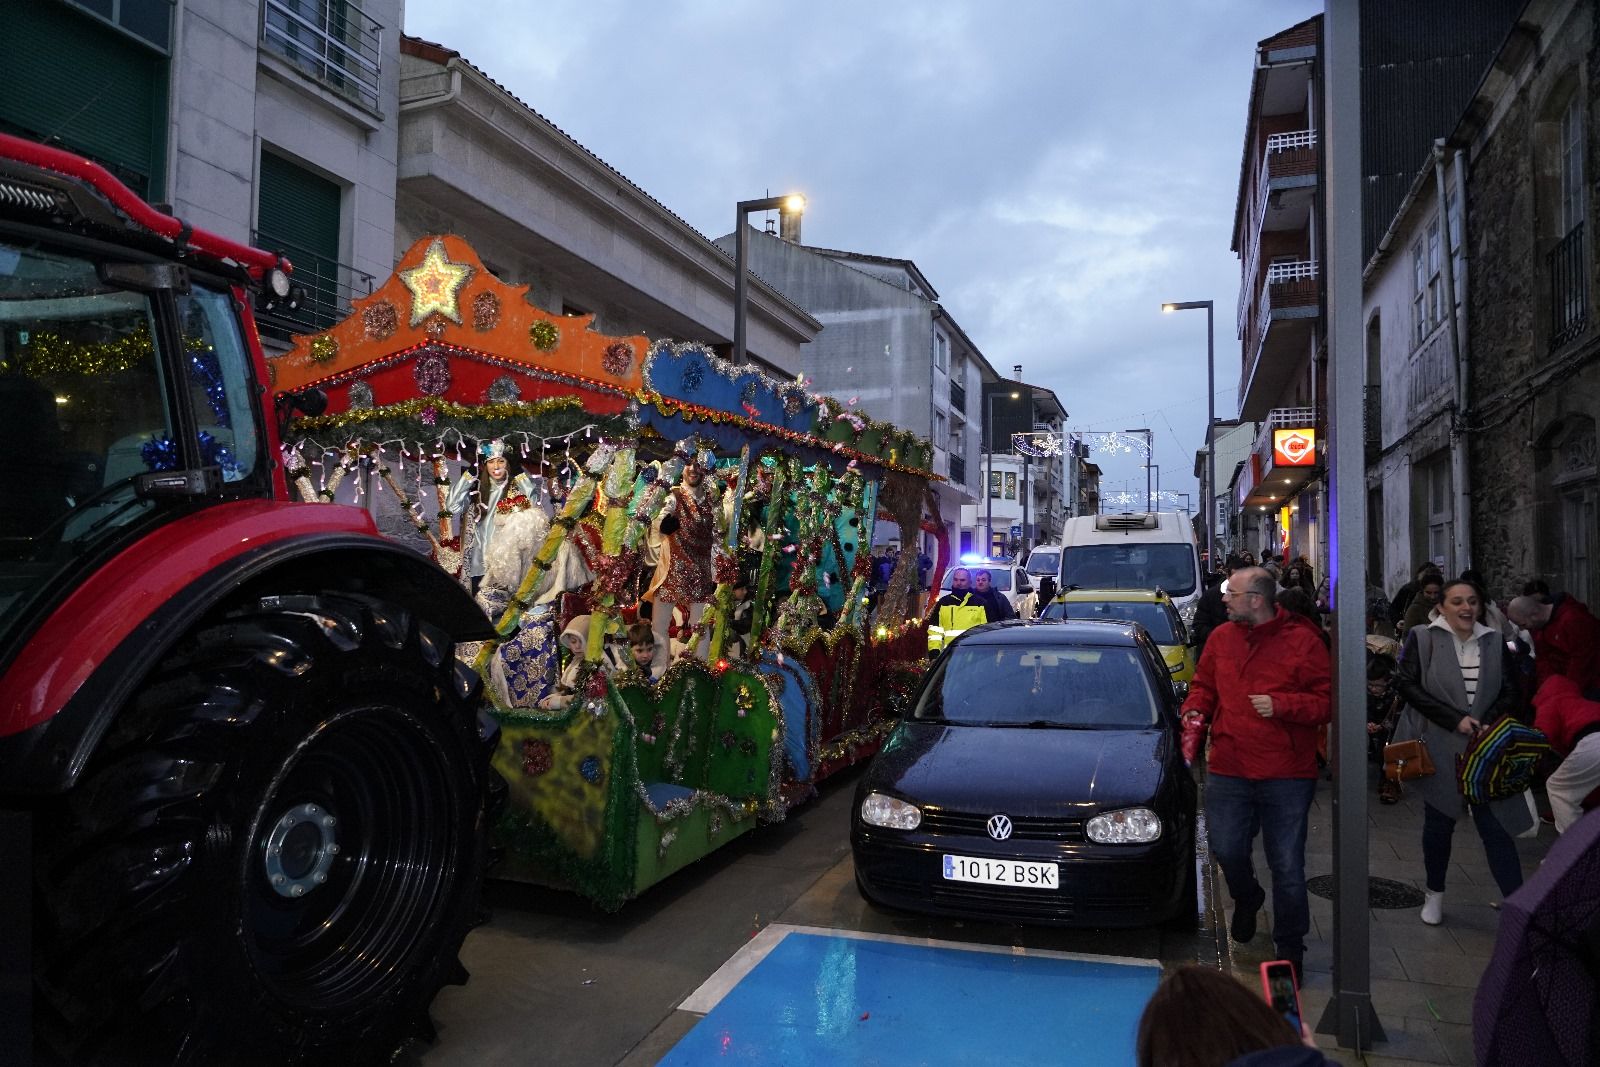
(1467, 655)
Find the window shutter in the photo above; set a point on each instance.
(86, 88)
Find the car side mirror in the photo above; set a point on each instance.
(1024, 586)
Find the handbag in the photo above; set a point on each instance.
(1404, 761)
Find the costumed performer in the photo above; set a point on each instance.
(481, 497)
(682, 540)
(523, 668)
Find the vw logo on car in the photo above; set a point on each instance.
(999, 827)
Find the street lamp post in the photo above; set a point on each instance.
(741, 246)
(1210, 495)
(1149, 454)
(1157, 468)
(988, 487)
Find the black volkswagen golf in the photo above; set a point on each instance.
(1038, 778)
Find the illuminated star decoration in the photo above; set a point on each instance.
(435, 285)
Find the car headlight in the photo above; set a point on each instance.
(880, 810)
(1188, 611)
(1130, 826)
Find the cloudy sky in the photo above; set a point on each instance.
(1056, 168)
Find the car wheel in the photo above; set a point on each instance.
(1187, 916)
(275, 854)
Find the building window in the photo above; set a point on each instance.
(939, 422)
(1440, 511)
(1571, 165)
(941, 351)
(1011, 485)
(1427, 300)
(995, 482)
(148, 20)
(331, 41)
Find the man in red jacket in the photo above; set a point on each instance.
(1573, 726)
(1566, 639)
(1264, 684)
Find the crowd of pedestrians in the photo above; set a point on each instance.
(1444, 662)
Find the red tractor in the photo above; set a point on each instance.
(244, 784)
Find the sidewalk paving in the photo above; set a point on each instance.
(1423, 977)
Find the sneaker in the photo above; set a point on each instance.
(1433, 907)
(1388, 792)
(1243, 927)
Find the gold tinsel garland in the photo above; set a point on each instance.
(409, 409)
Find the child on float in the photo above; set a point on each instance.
(575, 644)
(741, 616)
(644, 654)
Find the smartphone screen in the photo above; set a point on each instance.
(1277, 982)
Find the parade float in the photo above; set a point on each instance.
(622, 478)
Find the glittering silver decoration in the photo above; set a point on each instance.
(504, 390)
(360, 396)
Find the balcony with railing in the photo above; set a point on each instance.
(958, 397)
(325, 289)
(1569, 289)
(1286, 181)
(1286, 304)
(958, 470)
(332, 41)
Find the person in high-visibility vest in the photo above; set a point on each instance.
(959, 609)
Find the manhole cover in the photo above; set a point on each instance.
(1381, 892)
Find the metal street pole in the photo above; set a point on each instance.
(1350, 1012)
(1209, 497)
(988, 488)
(741, 248)
(1149, 454)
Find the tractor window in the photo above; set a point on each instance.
(82, 403)
(217, 370)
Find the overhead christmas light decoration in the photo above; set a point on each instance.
(1116, 443)
(1036, 445)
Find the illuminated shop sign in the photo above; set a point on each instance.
(1294, 448)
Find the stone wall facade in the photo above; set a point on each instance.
(1534, 393)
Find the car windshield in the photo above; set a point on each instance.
(1044, 561)
(1000, 577)
(1154, 617)
(1060, 685)
(1171, 568)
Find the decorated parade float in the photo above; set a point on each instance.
(674, 551)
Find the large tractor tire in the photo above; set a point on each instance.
(276, 852)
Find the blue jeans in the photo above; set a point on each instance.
(1239, 808)
(1437, 830)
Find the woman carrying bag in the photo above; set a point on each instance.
(1456, 676)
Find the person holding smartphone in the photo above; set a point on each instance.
(1200, 1017)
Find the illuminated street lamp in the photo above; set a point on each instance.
(1210, 503)
(794, 204)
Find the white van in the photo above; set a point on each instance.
(1137, 550)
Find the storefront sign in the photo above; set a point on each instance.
(1294, 448)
